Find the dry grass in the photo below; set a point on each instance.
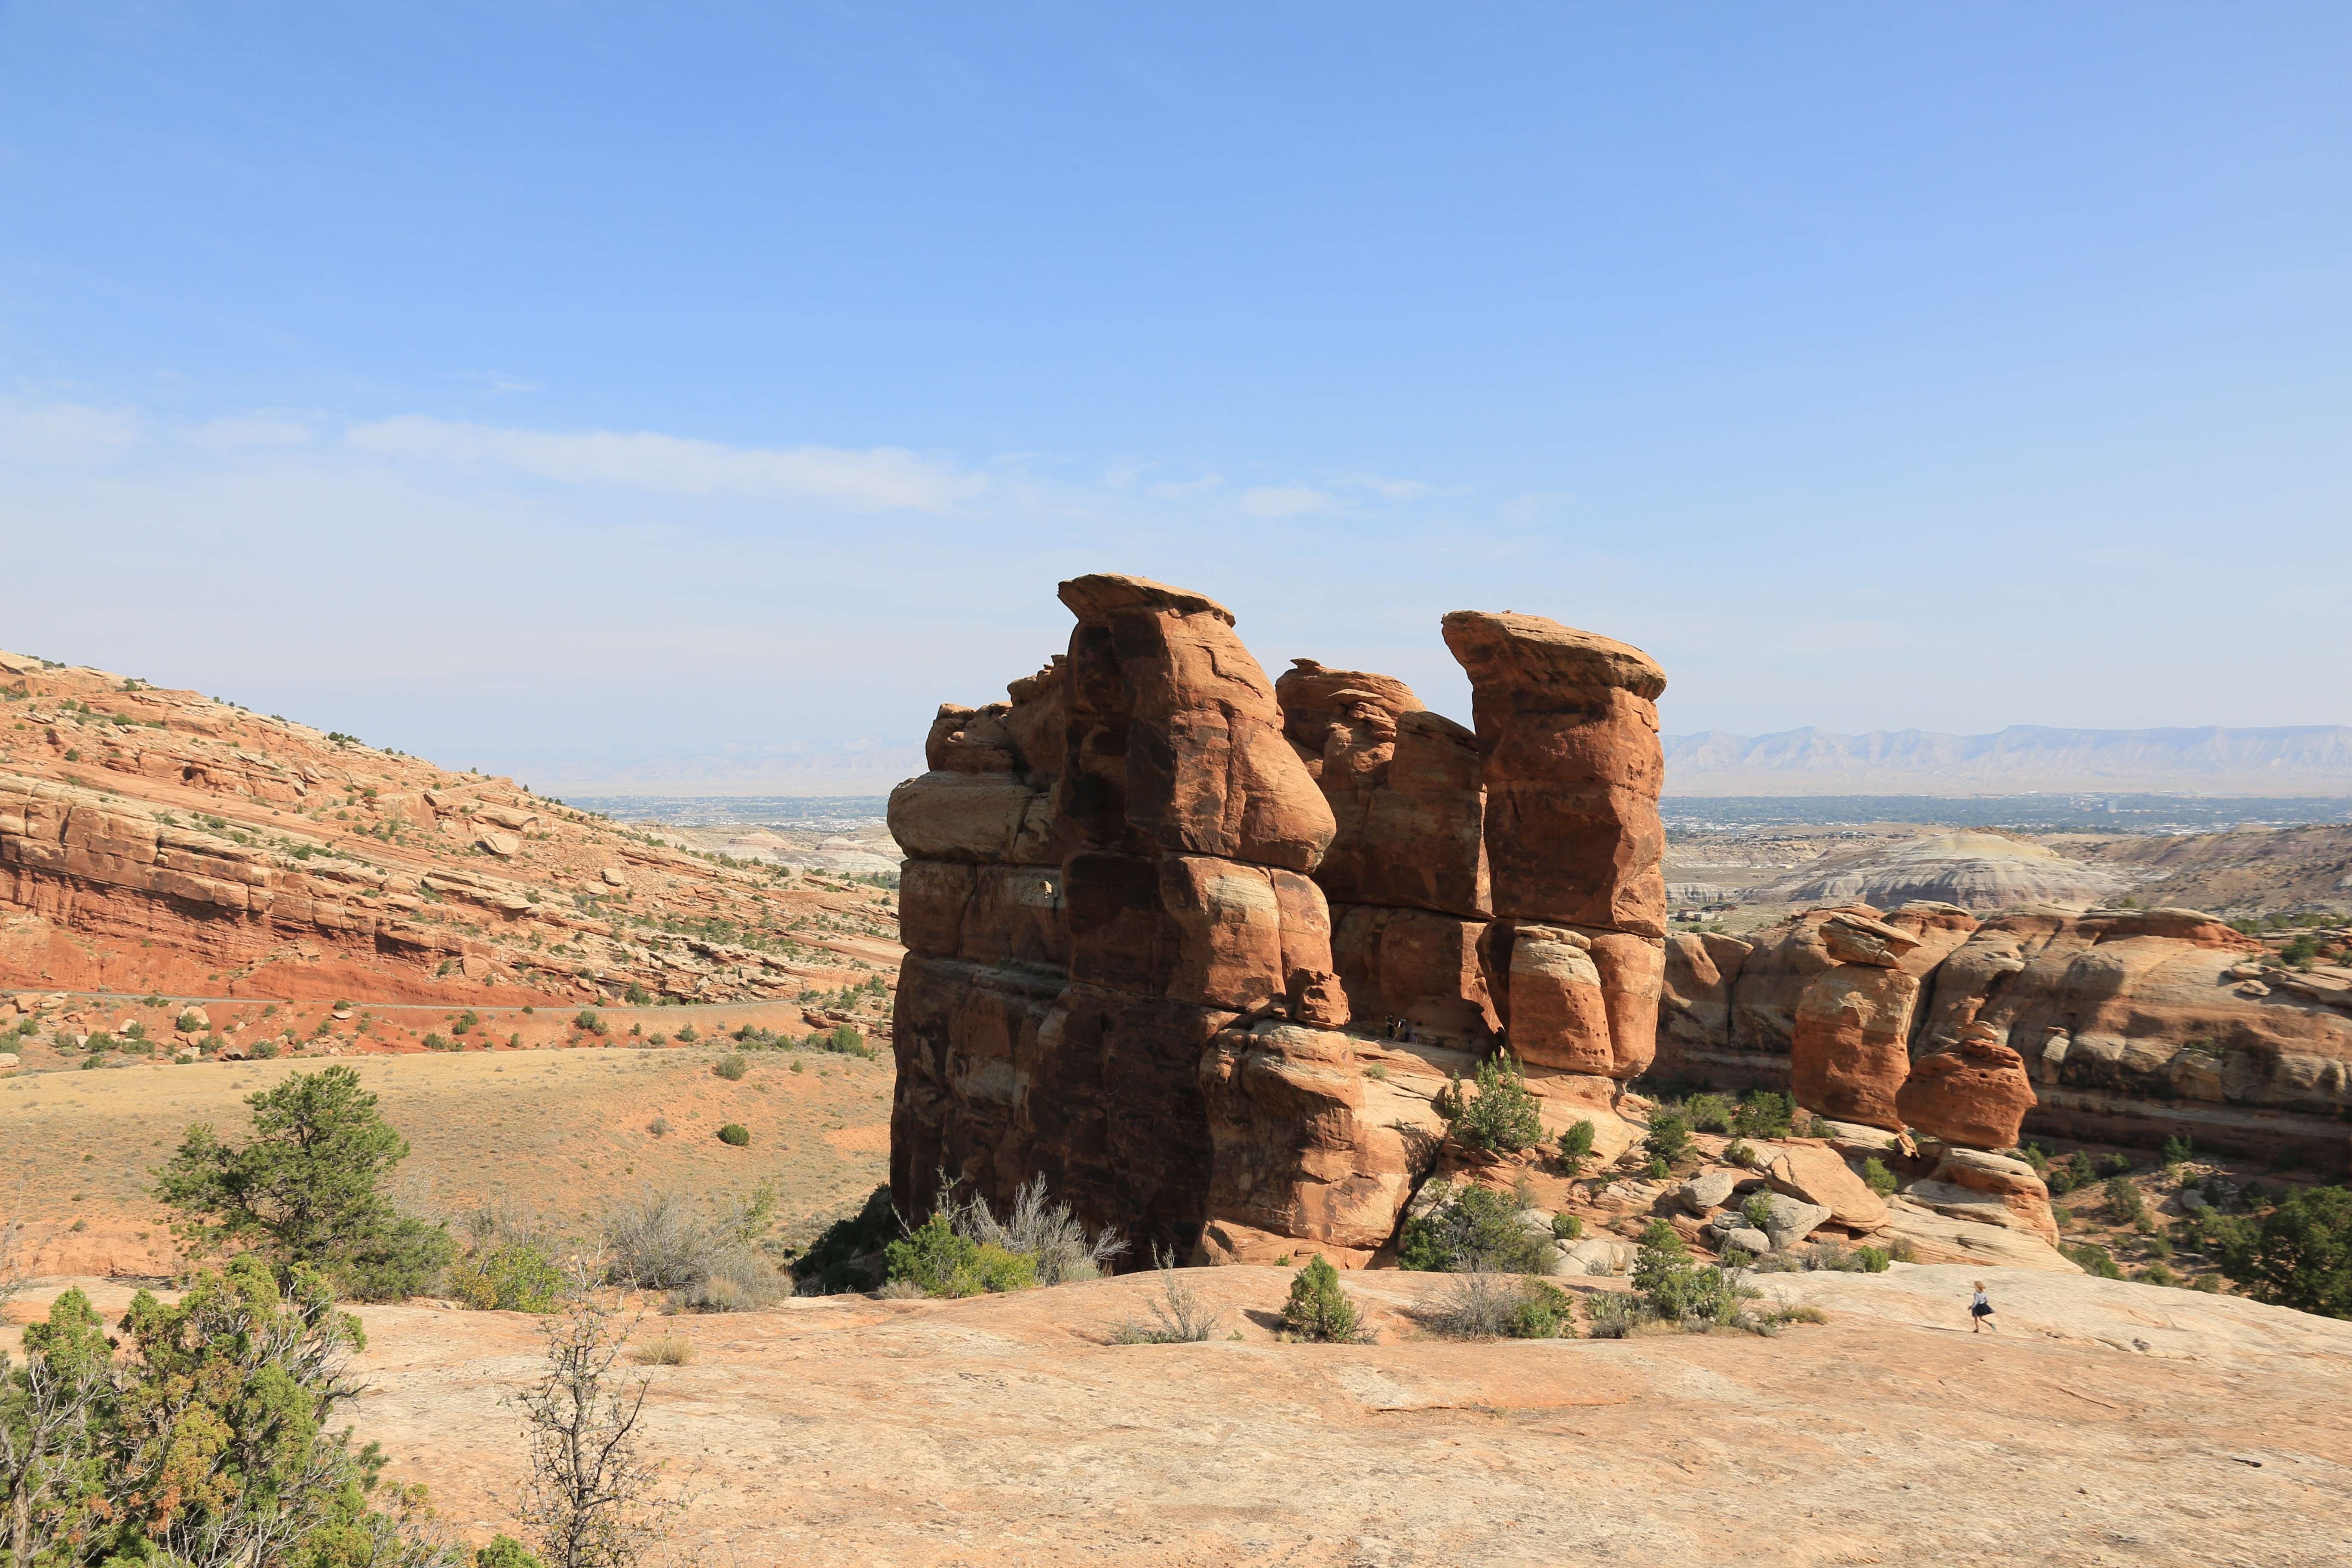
(555, 1132)
(663, 1350)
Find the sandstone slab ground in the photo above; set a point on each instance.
(1006, 1430)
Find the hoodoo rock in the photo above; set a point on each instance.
(1974, 1094)
(1851, 1048)
(1567, 727)
(1204, 951)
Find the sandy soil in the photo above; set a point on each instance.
(1005, 1430)
(559, 1131)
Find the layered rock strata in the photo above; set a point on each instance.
(1406, 873)
(2127, 1025)
(153, 840)
(1104, 872)
(1567, 728)
(1204, 951)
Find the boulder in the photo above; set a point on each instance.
(1412, 964)
(1789, 1221)
(1817, 1175)
(1304, 1145)
(1970, 1184)
(612, 876)
(1746, 1238)
(1854, 938)
(1592, 1255)
(1976, 1093)
(506, 846)
(1708, 1190)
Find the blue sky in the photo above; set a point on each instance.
(697, 394)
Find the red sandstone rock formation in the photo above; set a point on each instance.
(1053, 1017)
(161, 840)
(2134, 1025)
(1975, 1093)
(1160, 912)
(1851, 1049)
(1567, 732)
(1406, 874)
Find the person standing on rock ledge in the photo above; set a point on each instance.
(1981, 1312)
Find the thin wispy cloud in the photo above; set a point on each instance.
(253, 430)
(878, 479)
(66, 434)
(1285, 500)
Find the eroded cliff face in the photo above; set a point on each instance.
(2127, 1025)
(160, 840)
(1203, 949)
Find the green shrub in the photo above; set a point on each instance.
(1471, 1227)
(1710, 1112)
(1501, 1115)
(942, 1263)
(1764, 1114)
(2114, 1164)
(637, 996)
(2091, 1258)
(687, 1036)
(213, 1432)
(1545, 1312)
(1318, 1309)
(736, 1134)
(1880, 1179)
(438, 1042)
(1576, 1147)
(505, 1552)
(187, 1023)
(846, 1041)
(732, 1068)
(1613, 1314)
(2299, 1254)
(1676, 1289)
(2125, 1201)
(1669, 1137)
(303, 1190)
(2178, 1149)
(516, 1277)
(1567, 1227)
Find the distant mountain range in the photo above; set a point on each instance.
(2298, 759)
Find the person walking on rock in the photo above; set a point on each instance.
(1981, 1312)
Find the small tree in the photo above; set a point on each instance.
(303, 1190)
(592, 1498)
(1576, 1148)
(2300, 1254)
(1669, 1137)
(1501, 1115)
(1318, 1309)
